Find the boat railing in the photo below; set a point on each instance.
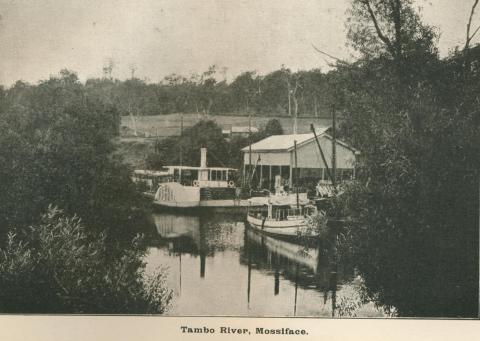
(278, 214)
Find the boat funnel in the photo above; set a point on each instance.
(203, 157)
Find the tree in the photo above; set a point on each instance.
(389, 28)
(244, 88)
(274, 96)
(154, 161)
(393, 34)
(313, 94)
(273, 127)
(58, 267)
(415, 242)
(57, 149)
(470, 35)
(205, 133)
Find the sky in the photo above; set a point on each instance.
(38, 38)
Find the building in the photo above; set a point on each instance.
(239, 131)
(275, 155)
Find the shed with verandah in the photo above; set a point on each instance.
(275, 155)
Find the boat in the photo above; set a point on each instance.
(194, 187)
(150, 179)
(280, 216)
(291, 253)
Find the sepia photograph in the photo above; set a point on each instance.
(240, 158)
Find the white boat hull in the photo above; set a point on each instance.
(287, 228)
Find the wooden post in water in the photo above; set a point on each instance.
(180, 271)
(202, 264)
(296, 291)
(276, 288)
(333, 288)
(249, 147)
(249, 270)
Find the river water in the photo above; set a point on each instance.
(218, 266)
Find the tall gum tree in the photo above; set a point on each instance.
(416, 203)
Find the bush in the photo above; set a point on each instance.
(57, 267)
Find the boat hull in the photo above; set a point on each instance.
(293, 229)
(176, 196)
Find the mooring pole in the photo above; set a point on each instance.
(249, 147)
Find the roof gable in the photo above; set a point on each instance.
(279, 143)
(284, 142)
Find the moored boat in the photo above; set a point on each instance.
(194, 187)
(279, 217)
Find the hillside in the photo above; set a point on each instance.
(169, 125)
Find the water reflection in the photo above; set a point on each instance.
(217, 266)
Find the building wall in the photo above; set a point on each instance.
(308, 155)
(274, 159)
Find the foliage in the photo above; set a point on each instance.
(58, 267)
(57, 148)
(350, 302)
(207, 133)
(415, 118)
(273, 127)
(388, 28)
(154, 161)
(209, 93)
(245, 91)
(316, 225)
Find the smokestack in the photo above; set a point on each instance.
(203, 157)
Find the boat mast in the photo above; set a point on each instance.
(296, 170)
(294, 135)
(323, 155)
(249, 271)
(181, 148)
(249, 149)
(334, 146)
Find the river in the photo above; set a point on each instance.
(218, 266)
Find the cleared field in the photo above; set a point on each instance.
(169, 125)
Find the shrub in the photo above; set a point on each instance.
(57, 267)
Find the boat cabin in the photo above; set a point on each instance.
(280, 207)
(203, 176)
(151, 179)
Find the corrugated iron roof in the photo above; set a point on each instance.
(284, 142)
(279, 143)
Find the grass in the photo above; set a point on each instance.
(135, 148)
(169, 125)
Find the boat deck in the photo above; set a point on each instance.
(227, 205)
